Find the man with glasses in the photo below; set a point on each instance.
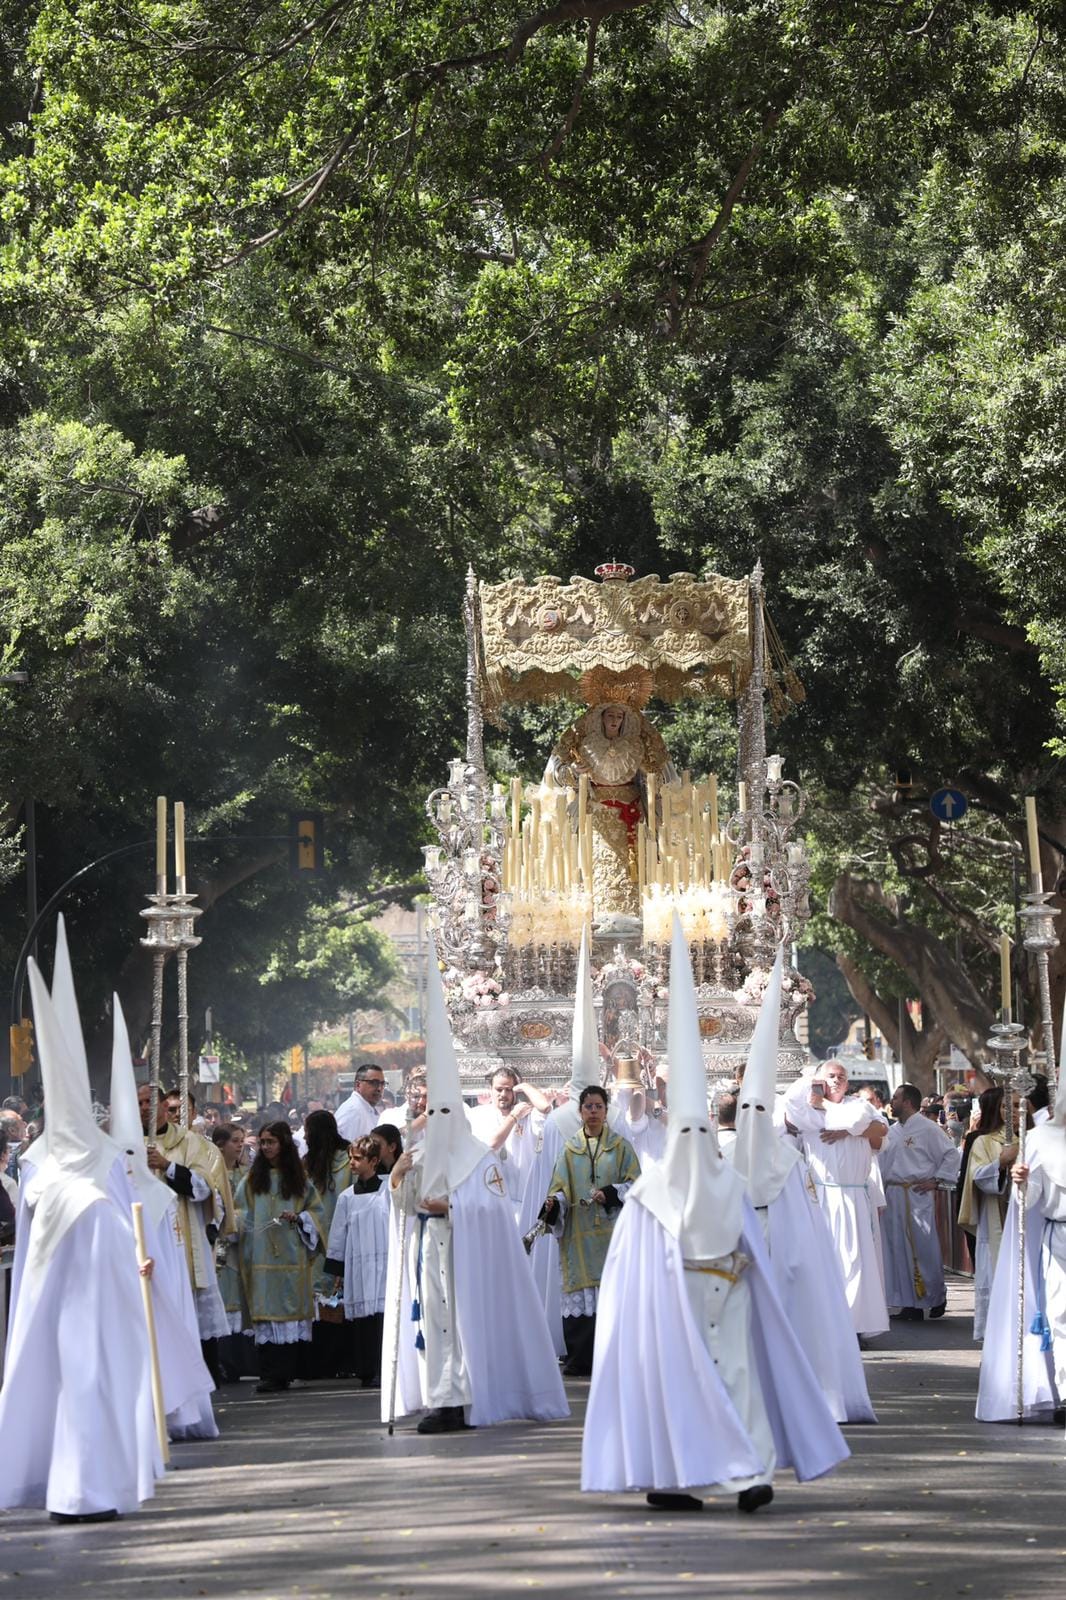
(358, 1115)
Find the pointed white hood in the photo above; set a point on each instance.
(759, 1154)
(65, 1004)
(450, 1152)
(126, 1130)
(73, 1174)
(585, 1048)
(692, 1190)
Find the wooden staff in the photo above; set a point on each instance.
(153, 1346)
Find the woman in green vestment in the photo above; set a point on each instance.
(280, 1234)
(328, 1166)
(591, 1179)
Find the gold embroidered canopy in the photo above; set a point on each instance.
(590, 640)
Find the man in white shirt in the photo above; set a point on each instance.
(915, 1158)
(358, 1115)
(840, 1134)
(511, 1126)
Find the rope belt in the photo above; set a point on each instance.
(715, 1272)
(863, 1186)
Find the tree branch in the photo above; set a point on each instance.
(411, 83)
(702, 249)
(943, 985)
(548, 156)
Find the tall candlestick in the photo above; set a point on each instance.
(161, 844)
(1034, 838)
(179, 846)
(1004, 976)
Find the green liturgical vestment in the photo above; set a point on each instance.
(586, 1164)
(277, 1268)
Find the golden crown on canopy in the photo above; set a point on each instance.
(602, 687)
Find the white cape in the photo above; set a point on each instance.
(513, 1369)
(997, 1390)
(810, 1283)
(76, 1407)
(187, 1384)
(544, 1257)
(659, 1417)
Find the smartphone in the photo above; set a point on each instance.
(818, 1086)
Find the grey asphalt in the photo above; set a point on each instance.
(304, 1495)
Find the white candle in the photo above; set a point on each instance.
(1034, 836)
(161, 844)
(179, 845)
(774, 765)
(1004, 976)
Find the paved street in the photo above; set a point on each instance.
(305, 1496)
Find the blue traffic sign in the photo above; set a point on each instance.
(948, 805)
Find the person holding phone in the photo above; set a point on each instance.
(841, 1134)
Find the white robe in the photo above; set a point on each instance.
(519, 1150)
(495, 1316)
(659, 1415)
(187, 1384)
(849, 1189)
(544, 1256)
(647, 1134)
(1044, 1371)
(359, 1236)
(914, 1149)
(76, 1407)
(810, 1285)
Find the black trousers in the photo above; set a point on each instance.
(579, 1334)
(281, 1363)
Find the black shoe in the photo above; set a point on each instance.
(760, 1494)
(1058, 1416)
(937, 1311)
(370, 1383)
(89, 1516)
(576, 1369)
(673, 1502)
(446, 1419)
(272, 1385)
(912, 1314)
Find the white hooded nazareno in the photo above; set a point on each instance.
(685, 1394)
(461, 1280)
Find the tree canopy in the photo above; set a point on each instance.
(305, 306)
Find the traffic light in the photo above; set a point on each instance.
(21, 1047)
(306, 843)
(296, 1060)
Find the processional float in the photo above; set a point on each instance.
(612, 837)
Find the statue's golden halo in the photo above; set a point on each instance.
(633, 687)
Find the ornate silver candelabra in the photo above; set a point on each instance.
(1038, 924)
(471, 915)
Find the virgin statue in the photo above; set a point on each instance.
(617, 747)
